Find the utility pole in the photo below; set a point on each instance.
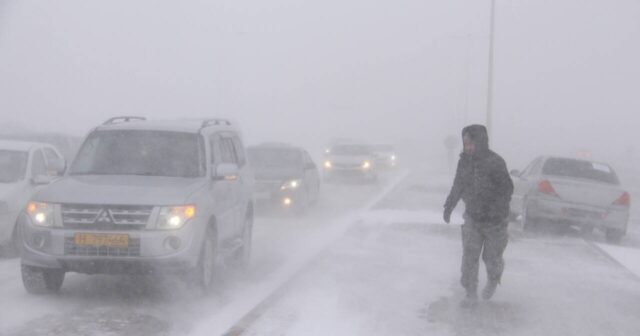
(490, 74)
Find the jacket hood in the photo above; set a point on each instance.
(479, 136)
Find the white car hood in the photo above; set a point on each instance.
(120, 190)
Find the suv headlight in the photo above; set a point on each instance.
(172, 218)
(366, 165)
(291, 184)
(41, 214)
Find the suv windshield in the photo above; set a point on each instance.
(580, 169)
(136, 152)
(274, 158)
(351, 150)
(13, 165)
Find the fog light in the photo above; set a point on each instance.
(39, 240)
(172, 242)
(287, 201)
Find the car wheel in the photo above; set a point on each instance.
(39, 280)
(529, 224)
(242, 256)
(586, 230)
(207, 261)
(302, 204)
(374, 179)
(316, 195)
(614, 235)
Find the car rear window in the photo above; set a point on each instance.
(274, 158)
(580, 169)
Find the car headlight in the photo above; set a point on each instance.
(41, 214)
(393, 157)
(366, 165)
(328, 164)
(172, 218)
(292, 184)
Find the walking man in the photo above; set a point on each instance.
(482, 181)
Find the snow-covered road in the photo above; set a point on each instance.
(396, 273)
(121, 305)
(392, 270)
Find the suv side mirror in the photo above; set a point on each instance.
(41, 180)
(226, 171)
(514, 172)
(58, 167)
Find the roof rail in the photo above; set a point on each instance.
(214, 122)
(115, 120)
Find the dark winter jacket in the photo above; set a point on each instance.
(482, 181)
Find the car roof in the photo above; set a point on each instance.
(23, 146)
(185, 126)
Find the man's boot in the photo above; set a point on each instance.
(489, 289)
(470, 300)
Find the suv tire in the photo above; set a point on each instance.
(207, 262)
(38, 280)
(241, 257)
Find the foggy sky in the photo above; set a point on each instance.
(411, 71)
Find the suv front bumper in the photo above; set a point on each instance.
(146, 251)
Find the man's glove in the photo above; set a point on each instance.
(447, 215)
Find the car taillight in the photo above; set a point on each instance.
(545, 187)
(624, 200)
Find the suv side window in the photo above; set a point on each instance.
(228, 153)
(239, 151)
(51, 155)
(38, 167)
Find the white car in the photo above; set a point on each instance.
(24, 168)
(571, 192)
(350, 161)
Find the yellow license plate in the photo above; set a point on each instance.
(97, 239)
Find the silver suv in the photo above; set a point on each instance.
(143, 197)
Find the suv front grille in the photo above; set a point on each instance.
(133, 250)
(347, 165)
(105, 217)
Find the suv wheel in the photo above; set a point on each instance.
(38, 280)
(207, 263)
(242, 255)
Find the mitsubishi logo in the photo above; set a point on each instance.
(104, 217)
